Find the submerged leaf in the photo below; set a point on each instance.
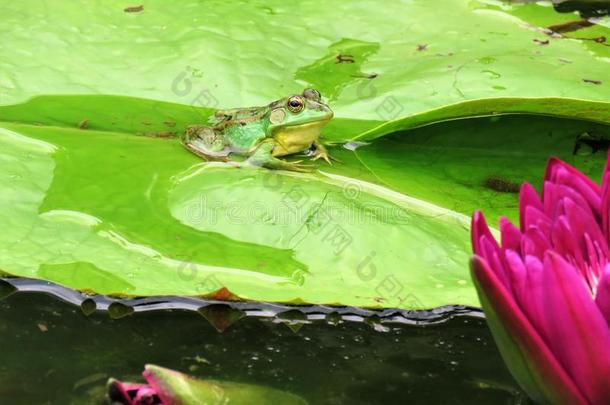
(169, 387)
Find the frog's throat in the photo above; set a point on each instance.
(296, 138)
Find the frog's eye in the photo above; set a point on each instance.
(312, 94)
(295, 104)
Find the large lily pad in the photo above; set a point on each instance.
(124, 215)
(384, 68)
(102, 210)
(477, 164)
(131, 215)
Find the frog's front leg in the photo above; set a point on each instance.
(321, 152)
(262, 156)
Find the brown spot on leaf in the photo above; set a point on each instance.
(170, 124)
(344, 59)
(597, 82)
(369, 76)
(83, 124)
(134, 9)
(222, 294)
(570, 26)
(498, 183)
(541, 41)
(422, 47)
(159, 134)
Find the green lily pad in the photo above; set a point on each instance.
(130, 215)
(384, 68)
(87, 204)
(137, 216)
(474, 164)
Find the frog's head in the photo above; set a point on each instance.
(299, 117)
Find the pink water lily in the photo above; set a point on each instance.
(170, 387)
(545, 288)
(133, 394)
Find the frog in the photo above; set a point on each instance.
(262, 135)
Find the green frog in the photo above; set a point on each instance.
(262, 134)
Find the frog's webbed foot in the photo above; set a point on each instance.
(320, 152)
(262, 157)
(292, 166)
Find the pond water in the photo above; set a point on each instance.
(54, 354)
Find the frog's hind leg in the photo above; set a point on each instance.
(263, 157)
(206, 143)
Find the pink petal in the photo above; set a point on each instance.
(129, 393)
(511, 237)
(556, 194)
(590, 239)
(527, 198)
(533, 217)
(495, 258)
(583, 223)
(486, 246)
(559, 172)
(534, 243)
(565, 243)
(603, 294)
(528, 357)
(605, 206)
(479, 231)
(596, 262)
(579, 335)
(517, 275)
(533, 306)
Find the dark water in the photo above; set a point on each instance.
(53, 354)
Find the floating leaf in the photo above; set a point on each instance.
(384, 69)
(145, 217)
(98, 195)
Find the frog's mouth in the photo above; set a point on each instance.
(297, 138)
